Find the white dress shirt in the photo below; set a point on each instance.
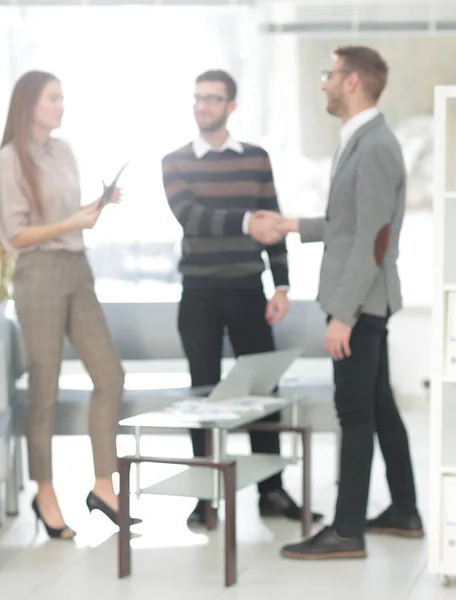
(201, 146)
(349, 128)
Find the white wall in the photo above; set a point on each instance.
(410, 355)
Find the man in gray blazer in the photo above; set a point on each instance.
(359, 290)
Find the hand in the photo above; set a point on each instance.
(85, 218)
(289, 226)
(284, 226)
(264, 227)
(337, 339)
(277, 307)
(116, 196)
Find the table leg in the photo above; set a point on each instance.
(137, 454)
(207, 443)
(216, 455)
(123, 540)
(229, 476)
(306, 521)
(294, 435)
(210, 514)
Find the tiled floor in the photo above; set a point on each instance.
(171, 561)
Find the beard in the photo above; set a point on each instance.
(332, 108)
(335, 106)
(214, 126)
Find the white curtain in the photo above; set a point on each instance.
(128, 78)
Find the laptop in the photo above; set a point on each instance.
(254, 374)
(252, 379)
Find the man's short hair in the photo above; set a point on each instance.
(223, 77)
(370, 66)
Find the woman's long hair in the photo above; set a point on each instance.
(18, 128)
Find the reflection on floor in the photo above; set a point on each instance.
(171, 561)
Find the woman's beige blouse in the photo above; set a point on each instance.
(60, 188)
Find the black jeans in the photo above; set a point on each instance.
(365, 404)
(203, 316)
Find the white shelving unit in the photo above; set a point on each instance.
(442, 521)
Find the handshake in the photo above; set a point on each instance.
(268, 227)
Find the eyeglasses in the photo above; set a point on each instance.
(209, 99)
(326, 75)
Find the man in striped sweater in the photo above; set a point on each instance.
(214, 185)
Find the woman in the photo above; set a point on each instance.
(42, 219)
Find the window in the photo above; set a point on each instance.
(128, 75)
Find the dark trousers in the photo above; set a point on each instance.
(204, 314)
(365, 404)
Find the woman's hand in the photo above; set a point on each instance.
(85, 218)
(116, 196)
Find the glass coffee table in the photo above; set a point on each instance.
(218, 475)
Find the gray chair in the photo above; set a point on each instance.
(8, 447)
(8, 466)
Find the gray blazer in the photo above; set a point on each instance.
(362, 227)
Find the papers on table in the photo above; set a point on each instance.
(222, 410)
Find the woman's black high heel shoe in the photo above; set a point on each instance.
(96, 503)
(60, 534)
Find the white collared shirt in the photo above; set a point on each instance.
(201, 147)
(349, 129)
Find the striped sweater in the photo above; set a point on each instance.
(209, 196)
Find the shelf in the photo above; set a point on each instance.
(448, 439)
(450, 146)
(448, 470)
(442, 521)
(449, 241)
(446, 91)
(198, 482)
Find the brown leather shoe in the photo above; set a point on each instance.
(326, 544)
(277, 503)
(393, 521)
